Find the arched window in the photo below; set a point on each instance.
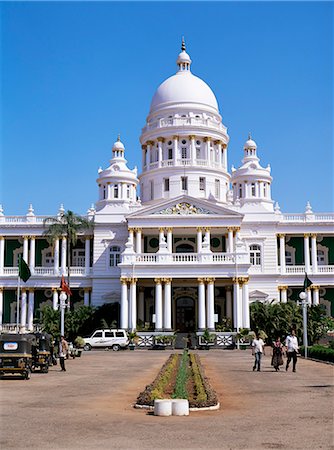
(255, 255)
(115, 256)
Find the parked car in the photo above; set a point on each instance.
(106, 338)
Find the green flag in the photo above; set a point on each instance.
(24, 271)
(307, 282)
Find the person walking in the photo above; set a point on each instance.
(257, 351)
(277, 359)
(63, 350)
(292, 349)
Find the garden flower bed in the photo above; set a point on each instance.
(182, 376)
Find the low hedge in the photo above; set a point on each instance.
(319, 352)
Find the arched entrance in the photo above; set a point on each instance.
(185, 314)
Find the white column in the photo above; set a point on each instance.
(315, 294)
(133, 304)
(86, 296)
(284, 294)
(131, 238)
(282, 252)
(170, 240)
(63, 256)
(138, 240)
(1, 307)
(175, 149)
(314, 253)
(2, 253)
(23, 309)
(158, 304)
(225, 156)
(141, 304)
(201, 304)
(87, 255)
(25, 248)
(245, 305)
(161, 235)
(307, 252)
(199, 239)
(230, 248)
(257, 190)
(160, 141)
(208, 236)
(31, 305)
(149, 156)
(220, 159)
(210, 305)
(168, 305)
(208, 152)
(56, 257)
(32, 254)
(55, 299)
(124, 305)
(236, 304)
(309, 296)
(228, 302)
(192, 149)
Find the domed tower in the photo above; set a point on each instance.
(184, 143)
(117, 184)
(251, 183)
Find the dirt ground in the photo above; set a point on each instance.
(90, 406)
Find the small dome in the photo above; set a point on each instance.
(250, 143)
(118, 145)
(183, 58)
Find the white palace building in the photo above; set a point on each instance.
(200, 243)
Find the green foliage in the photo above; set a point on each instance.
(201, 395)
(278, 319)
(51, 321)
(180, 390)
(79, 342)
(208, 337)
(224, 325)
(319, 352)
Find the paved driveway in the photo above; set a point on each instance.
(90, 406)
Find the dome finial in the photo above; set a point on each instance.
(118, 137)
(183, 45)
(249, 136)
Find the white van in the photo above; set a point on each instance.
(114, 339)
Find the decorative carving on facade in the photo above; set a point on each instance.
(184, 209)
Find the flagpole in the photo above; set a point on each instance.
(18, 303)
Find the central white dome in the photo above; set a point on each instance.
(181, 88)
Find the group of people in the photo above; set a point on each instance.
(291, 347)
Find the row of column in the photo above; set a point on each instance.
(312, 294)
(209, 156)
(163, 303)
(27, 305)
(166, 235)
(306, 252)
(29, 254)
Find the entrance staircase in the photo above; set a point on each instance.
(181, 340)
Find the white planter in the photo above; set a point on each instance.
(162, 407)
(180, 407)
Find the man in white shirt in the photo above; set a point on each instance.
(257, 351)
(292, 348)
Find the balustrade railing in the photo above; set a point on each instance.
(47, 271)
(315, 217)
(186, 258)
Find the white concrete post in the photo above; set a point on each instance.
(168, 305)
(307, 252)
(158, 304)
(87, 255)
(2, 253)
(124, 305)
(23, 309)
(133, 304)
(55, 299)
(63, 255)
(210, 305)
(201, 304)
(245, 305)
(25, 248)
(31, 307)
(170, 240)
(199, 239)
(228, 302)
(138, 240)
(314, 253)
(56, 257)
(282, 252)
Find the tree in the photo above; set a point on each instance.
(67, 224)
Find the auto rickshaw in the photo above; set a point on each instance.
(41, 354)
(16, 354)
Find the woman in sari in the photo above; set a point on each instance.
(277, 359)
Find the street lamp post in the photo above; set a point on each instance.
(62, 305)
(303, 297)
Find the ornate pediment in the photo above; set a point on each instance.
(183, 209)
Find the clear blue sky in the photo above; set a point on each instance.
(74, 75)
